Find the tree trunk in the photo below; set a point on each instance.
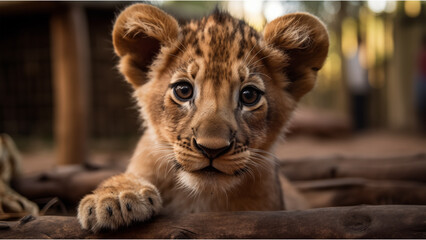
(70, 61)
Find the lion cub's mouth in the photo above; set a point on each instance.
(210, 170)
(206, 170)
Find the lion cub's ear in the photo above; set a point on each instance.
(139, 32)
(305, 40)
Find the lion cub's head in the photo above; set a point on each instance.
(215, 90)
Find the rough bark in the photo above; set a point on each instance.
(408, 168)
(69, 184)
(390, 221)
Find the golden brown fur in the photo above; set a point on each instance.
(215, 95)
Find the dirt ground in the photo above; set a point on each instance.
(368, 144)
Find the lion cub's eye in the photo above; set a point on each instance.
(183, 91)
(250, 96)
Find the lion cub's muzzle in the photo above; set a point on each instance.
(213, 147)
(211, 155)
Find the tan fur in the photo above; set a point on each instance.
(211, 151)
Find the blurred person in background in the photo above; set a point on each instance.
(358, 88)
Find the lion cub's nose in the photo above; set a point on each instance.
(212, 149)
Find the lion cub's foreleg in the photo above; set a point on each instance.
(119, 201)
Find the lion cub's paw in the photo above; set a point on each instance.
(112, 207)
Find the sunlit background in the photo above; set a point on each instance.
(374, 61)
(374, 76)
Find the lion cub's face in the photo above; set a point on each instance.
(216, 92)
(214, 104)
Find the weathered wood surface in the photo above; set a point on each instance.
(69, 184)
(70, 188)
(411, 167)
(324, 182)
(391, 221)
(354, 191)
(309, 121)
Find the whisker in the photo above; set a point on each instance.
(176, 56)
(180, 49)
(261, 49)
(248, 54)
(163, 156)
(183, 46)
(251, 59)
(266, 162)
(260, 162)
(259, 151)
(259, 73)
(252, 64)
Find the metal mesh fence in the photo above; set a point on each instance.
(26, 92)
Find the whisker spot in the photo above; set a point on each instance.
(109, 210)
(128, 207)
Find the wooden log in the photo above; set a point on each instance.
(70, 61)
(309, 121)
(69, 184)
(412, 167)
(72, 184)
(354, 191)
(391, 221)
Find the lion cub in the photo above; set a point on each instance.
(214, 94)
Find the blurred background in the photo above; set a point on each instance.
(63, 101)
